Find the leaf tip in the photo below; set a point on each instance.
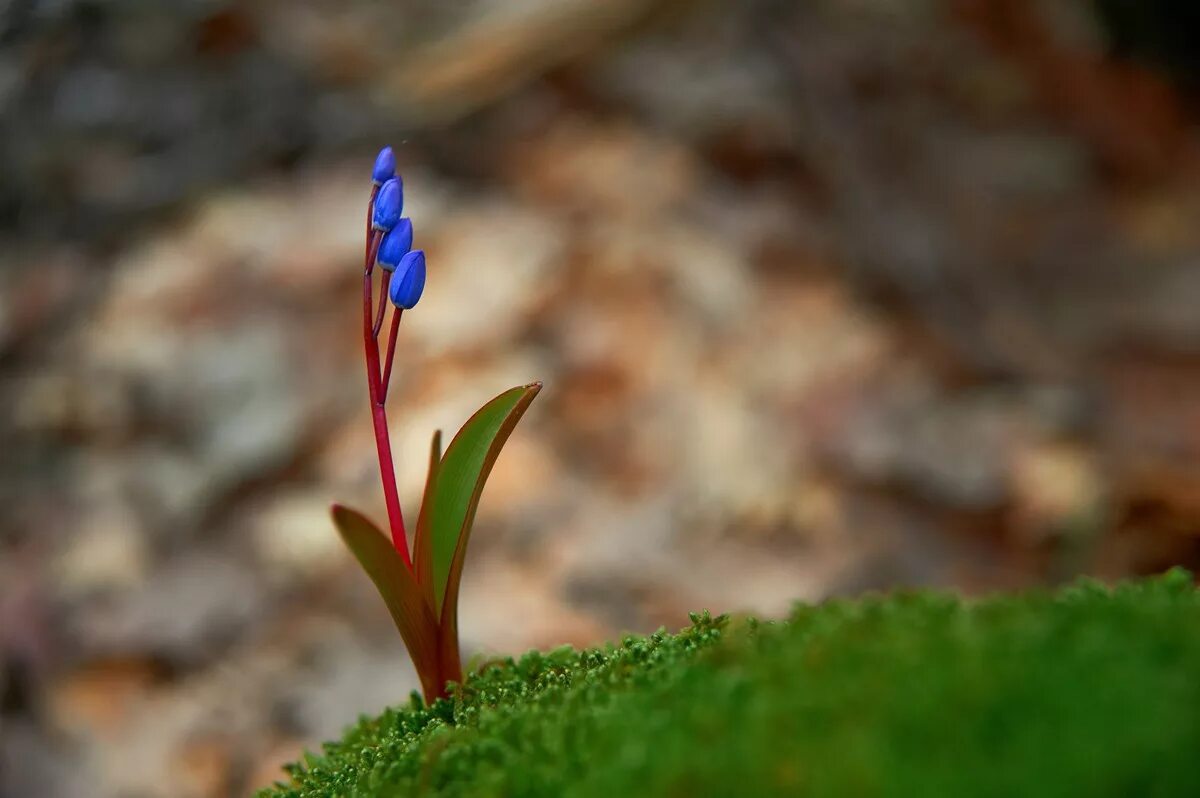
(345, 518)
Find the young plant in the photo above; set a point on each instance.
(421, 590)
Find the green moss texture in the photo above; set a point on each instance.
(1089, 691)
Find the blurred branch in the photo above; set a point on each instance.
(490, 56)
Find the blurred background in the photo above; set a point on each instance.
(828, 296)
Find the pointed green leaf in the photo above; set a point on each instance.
(513, 403)
(449, 512)
(422, 550)
(410, 611)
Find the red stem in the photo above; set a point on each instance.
(372, 245)
(384, 276)
(391, 352)
(370, 216)
(383, 446)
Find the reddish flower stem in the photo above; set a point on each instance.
(370, 217)
(391, 352)
(383, 446)
(368, 257)
(384, 276)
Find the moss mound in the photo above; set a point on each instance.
(1090, 691)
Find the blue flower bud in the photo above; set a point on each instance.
(385, 166)
(408, 281)
(396, 244)
(388, 204)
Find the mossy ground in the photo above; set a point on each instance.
(1084, 692)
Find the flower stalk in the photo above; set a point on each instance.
(420, 589)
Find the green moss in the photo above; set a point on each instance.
(1088, 692)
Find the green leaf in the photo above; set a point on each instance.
(412, 614)
(448, 513)
(422, 550)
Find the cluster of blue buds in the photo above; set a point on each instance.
(396, 255)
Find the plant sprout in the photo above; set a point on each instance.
(420, 589)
